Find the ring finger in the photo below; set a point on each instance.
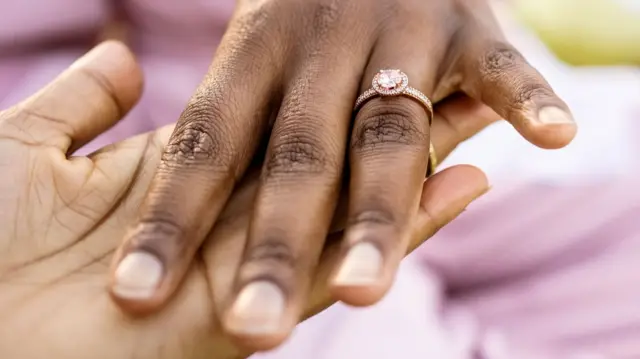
(388, 162)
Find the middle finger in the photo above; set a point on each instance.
(298, 190)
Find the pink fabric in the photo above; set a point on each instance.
(534, 270)
(552, 266)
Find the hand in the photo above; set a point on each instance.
(62, 217)
(290, 71)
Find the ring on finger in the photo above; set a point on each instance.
(393, 82)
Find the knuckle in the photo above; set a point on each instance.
(253, 30)
(387, 126)
(373, 217)
(504, 64)
(297, 152)
(498, 58)
(199, 138)
(376, 226)
(327, 35)
(254, 17)
(326, 14)
(105, 86)
(273, 260)
(22, 123)
(160, 235)
(528, 91)
(275, 252)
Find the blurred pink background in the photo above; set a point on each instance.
(546, 265)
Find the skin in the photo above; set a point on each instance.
(282, 87)
(62, 217)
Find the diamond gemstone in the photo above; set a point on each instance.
(390, 79)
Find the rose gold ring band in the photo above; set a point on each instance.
(392, 82)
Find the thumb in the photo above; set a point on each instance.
(444, 197)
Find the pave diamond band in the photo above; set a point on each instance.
(393, 82)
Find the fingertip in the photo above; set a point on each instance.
(135, 282)
(553, 137)
(554, 115)
(149, 267)
(136, 308)
(114, 65)
(467, 171)
(362, 278)
(454, 182)
(444, 197)
(258, 343)
(260, 317)
(446, 194)
(142, 306)
(358, 295)
(112, 54)
(552, 127)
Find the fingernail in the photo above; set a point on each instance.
(137, 276)
(361, 266)
(550, 115)
(258, 309)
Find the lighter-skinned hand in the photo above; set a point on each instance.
(62, 217)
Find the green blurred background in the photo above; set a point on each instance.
(585, 32)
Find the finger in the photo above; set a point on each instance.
(299, 187)
(444, 196)
(456, 119)
(210, 148)
(388, 162)
(498, 75)
(84, 101)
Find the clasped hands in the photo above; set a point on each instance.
(215, 210)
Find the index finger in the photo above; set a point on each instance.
(210, 148)
(497, 74)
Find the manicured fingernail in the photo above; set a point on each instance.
(137, 276)
(550, 115)
(258, 310)
(361, 266)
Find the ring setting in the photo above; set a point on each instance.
(390, 82)
(393, 82)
